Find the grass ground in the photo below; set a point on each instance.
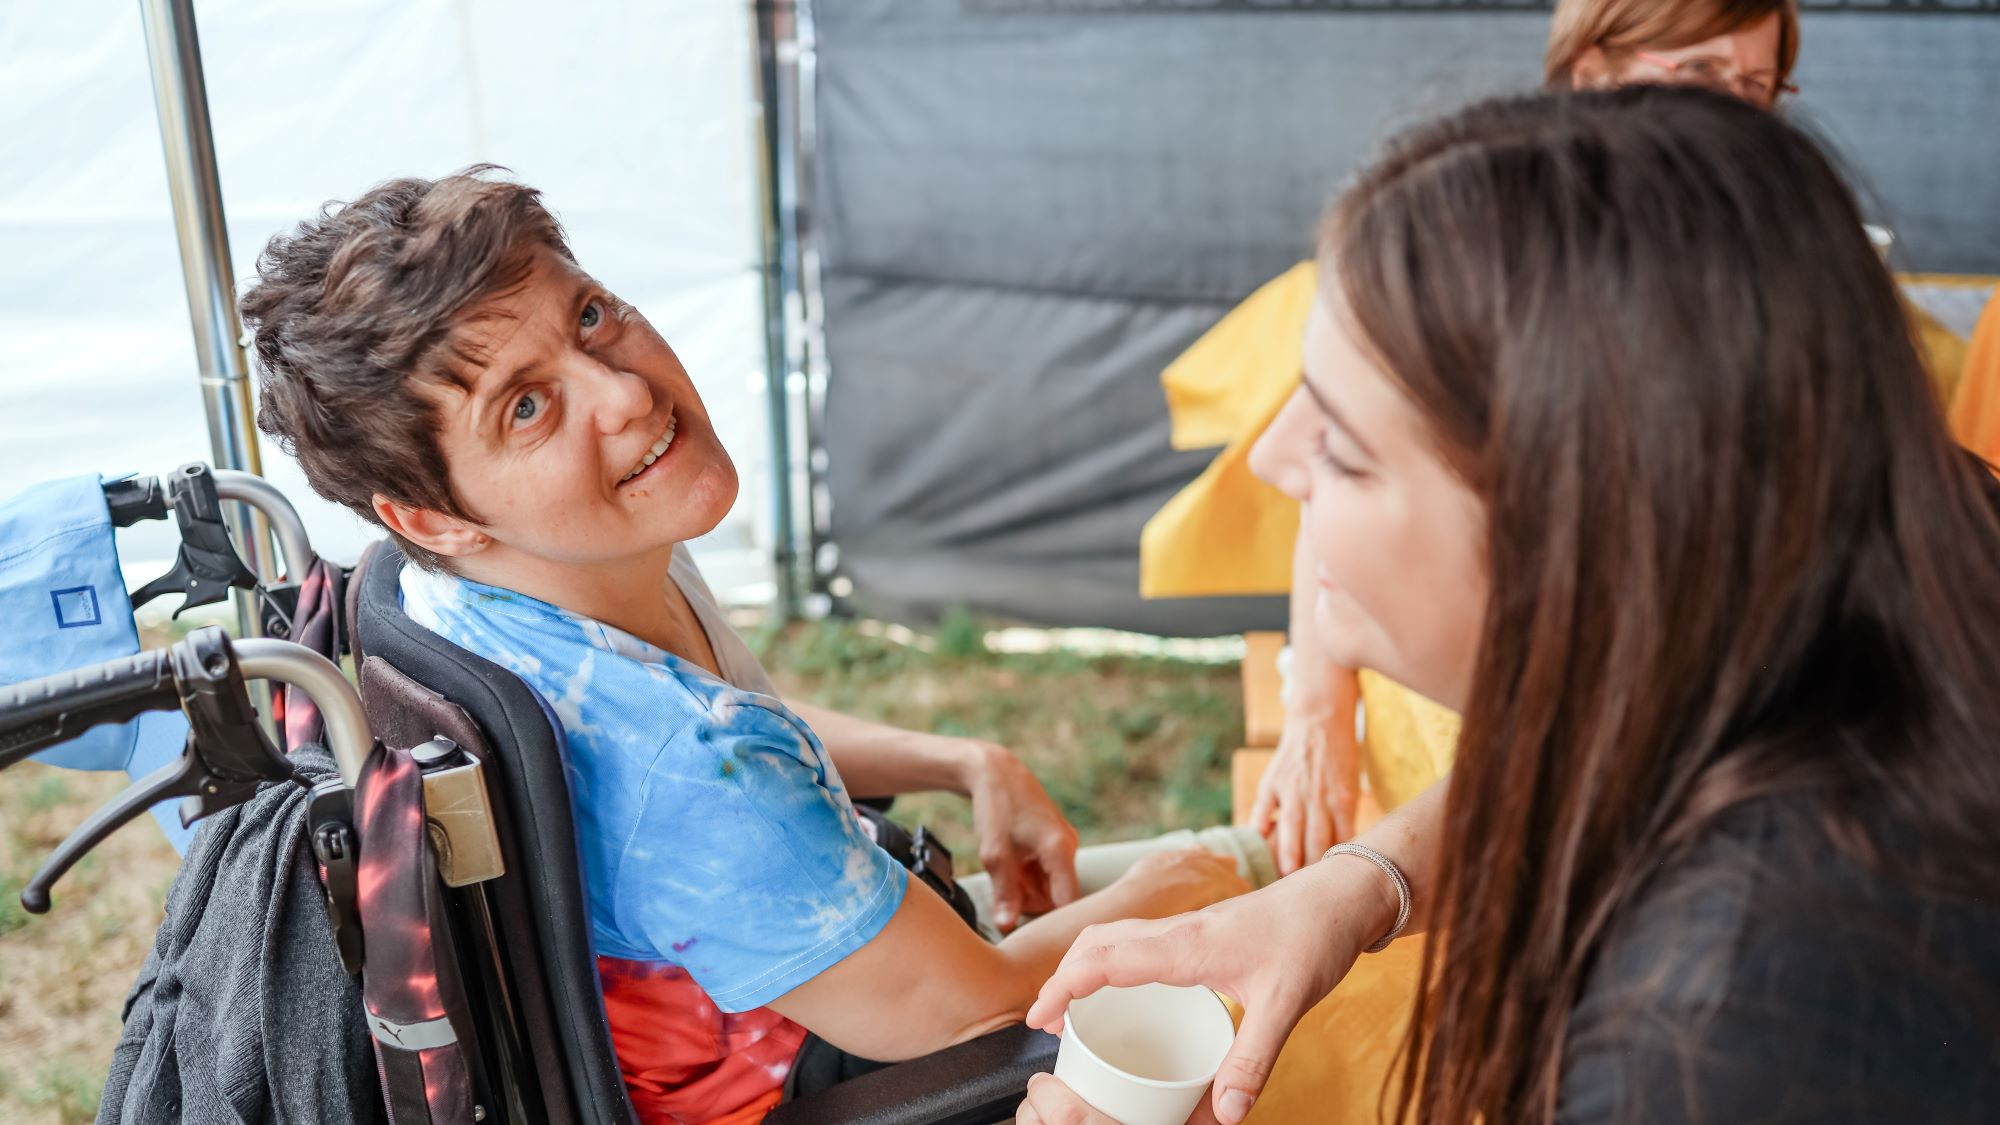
(1127, 745)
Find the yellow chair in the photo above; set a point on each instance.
(1975, 405)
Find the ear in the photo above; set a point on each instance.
(435, 532)
(1592, 70)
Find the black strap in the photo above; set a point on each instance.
(402, 1085)
(925, 856)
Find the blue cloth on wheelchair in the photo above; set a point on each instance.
(716, 834)
(63, 598)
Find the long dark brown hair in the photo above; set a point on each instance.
(1733, 550)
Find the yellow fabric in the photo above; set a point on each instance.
(1228, 532)
(1943, 350)
(1334, 1068)
(1975, 408)
(1408, 742)
(1222, 387)
(1181, 551)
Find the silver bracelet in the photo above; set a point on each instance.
(1395, 874)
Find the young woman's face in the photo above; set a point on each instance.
(1396, 536)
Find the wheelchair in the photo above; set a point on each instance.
(452, 805)
(59, 544)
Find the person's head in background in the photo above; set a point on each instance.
(1742, 47)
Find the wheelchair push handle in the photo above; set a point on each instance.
(347, 735)
(208, 564)
(136, 498)
(40, 713)
(227, 756)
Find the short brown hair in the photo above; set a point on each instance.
(1627, 25)
(356, 308)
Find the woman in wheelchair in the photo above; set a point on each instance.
(439, 363)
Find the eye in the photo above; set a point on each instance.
(1331, 461)
(529, 407)
(592, 316)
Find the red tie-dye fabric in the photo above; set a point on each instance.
(685, 1061)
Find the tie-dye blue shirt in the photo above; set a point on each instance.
(716, 834)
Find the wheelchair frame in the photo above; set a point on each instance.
(538, 1044)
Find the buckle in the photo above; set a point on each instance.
(330, 829)
(931, 858)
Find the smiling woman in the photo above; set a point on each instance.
(441, 364)
(574, 437)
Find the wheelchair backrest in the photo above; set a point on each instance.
(544, 1031)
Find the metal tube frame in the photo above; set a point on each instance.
(772, 29)
(284, 521)
(796, 156)
(180, 94)
(347, 733)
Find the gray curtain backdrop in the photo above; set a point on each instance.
(1027, 208)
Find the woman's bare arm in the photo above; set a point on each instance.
(928, 981)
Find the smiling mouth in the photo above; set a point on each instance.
(655, 452)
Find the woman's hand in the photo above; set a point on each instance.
(1025, 843)
(1305, 802)
(1178, 881)
(1052, 1103)
(1277, 952)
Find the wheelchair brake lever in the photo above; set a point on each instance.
(207, 565)
(175, 777)
(227, 755)
(232, 755)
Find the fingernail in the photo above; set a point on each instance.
(1235, 1106)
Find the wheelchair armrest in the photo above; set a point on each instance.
(973, 1083)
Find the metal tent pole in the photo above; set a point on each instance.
(181, 96)
(777, 241)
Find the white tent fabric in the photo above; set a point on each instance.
(637, 118)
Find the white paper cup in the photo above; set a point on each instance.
(1144, 1055)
